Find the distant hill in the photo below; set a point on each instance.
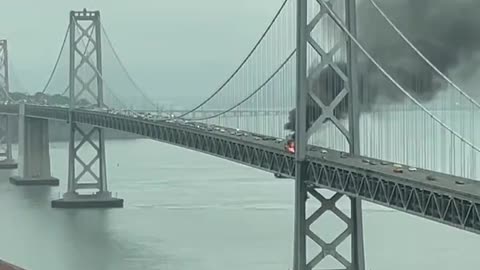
(45, 99)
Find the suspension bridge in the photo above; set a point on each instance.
(399, 134)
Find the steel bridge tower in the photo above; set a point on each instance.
(303, 229)
(80, 187)
(6, 121)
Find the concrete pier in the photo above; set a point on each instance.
(8, 162)
(98, 200)
(33, 152)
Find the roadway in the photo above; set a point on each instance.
(451, 200)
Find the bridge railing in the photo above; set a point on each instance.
(9, 109)
(58, 113)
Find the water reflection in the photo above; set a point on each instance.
(207, 216)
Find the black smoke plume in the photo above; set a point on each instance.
(445, 31)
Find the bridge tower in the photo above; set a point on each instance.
(84, 191)
(349, 95)
(6, 122)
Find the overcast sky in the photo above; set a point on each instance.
(161, 42)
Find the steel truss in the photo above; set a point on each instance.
(427, 199)
(445, 199)
(304, 93)
(87, 23)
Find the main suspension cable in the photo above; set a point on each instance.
(130, 78)
(56, 62)
(249, 96)
(241, 64)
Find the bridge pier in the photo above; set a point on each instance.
(33, 152)
(6, 136)
(8, 162)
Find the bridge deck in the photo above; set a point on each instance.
(447, 199)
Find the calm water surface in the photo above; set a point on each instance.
(186, 210)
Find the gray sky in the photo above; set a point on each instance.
(161, 42)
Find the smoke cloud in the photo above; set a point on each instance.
(445, 31)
